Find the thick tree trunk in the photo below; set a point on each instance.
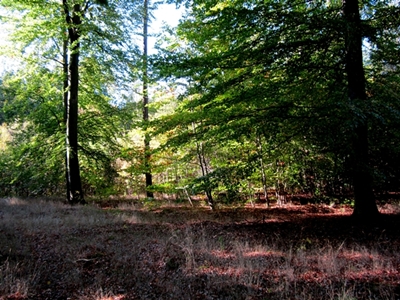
(73, 178)
(76, 193)
(365, 205)
(147, 154)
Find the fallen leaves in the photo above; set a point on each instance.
(246, 253)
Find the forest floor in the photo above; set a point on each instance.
(49, 250)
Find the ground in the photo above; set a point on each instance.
(49, 250)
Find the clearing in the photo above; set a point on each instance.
(49, 250)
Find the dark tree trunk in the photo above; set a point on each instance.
(73, 178)
(147, 153)
(365, 205)
(66, 105)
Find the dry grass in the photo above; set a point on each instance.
(49, 250)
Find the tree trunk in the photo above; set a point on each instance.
(204, 172)
(73, 178)
(147, 152)
(66, 105)
(263, 177)
(365, 205)
(204, 169)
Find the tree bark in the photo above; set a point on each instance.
(263, 177)
(73, 178)
(66, 107)
(365, 205)
(147, 153)
(204, 170)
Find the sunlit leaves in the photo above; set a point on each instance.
(271, 68)
(107, 54)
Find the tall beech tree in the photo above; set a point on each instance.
(365, 205)
(147, 154)
(289, 71)
(73, 20)
(81, 51)
(74, 13)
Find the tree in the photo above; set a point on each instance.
(290, 71)
(147, 155)
(74, 13)
(74, 186)
(365, 205)
(76, 46)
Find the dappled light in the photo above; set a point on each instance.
(14, 201)
(244, 150)
(131, 252)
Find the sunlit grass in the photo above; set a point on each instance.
(85, 252)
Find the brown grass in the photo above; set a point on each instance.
(49, 250)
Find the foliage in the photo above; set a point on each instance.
(277, 70)
(244, 96)
(36, 93)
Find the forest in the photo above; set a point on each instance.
(243, 100)
(250, 152)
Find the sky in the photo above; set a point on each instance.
(4, 62)
(166, 13)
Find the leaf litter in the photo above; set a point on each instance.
(51, 251)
